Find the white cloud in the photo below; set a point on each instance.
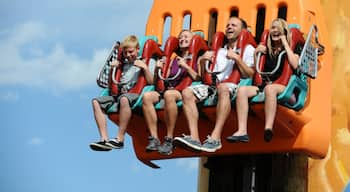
(36, 141)
(9, 96)
(41, 47)
(190, 164)
(50, 68)
(27, 32)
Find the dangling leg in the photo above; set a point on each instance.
(222, 110)
(170, 115)
(148, 101)
(271, 93)
(191, 113)
(101, 123)
(100, 119)
(213, 142)
(242, 109)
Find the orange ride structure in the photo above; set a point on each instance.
(301, 137)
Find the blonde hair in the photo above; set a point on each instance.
(130, 41)
(283, 27)
(184, 30)
(179, 51)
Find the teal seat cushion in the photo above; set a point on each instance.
(293, 96)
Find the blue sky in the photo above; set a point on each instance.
(50, 53)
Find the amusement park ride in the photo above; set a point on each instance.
(303, 121)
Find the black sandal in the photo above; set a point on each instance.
(268, 134)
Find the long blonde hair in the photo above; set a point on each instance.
(283, 27)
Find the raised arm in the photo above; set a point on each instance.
(194, 75)
(201, 62)
(143, 66)
(115, 63)
(292, 57)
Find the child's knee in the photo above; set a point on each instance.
(124, 102)
(95, 103)
(147, 97)
(170, 96)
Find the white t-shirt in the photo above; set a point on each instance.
(222, 61)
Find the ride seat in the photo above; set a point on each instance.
(197, 47)
(148, 51)
(245, 38)
(295, 92)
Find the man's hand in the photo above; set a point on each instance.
(208, 55)
(231, 54)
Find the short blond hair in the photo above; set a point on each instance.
(130, 41)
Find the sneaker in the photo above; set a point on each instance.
(189, 142)
(100, 146)
(211, 145)
(153, 144)
(115, 143)
(167, 147)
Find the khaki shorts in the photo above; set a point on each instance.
(107, 102)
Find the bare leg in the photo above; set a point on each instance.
(222, 111)
(100, 119)
(148, 101)
(171, 110)
(124, 117)
(191, 112)
(271, 92)
(242, 107)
